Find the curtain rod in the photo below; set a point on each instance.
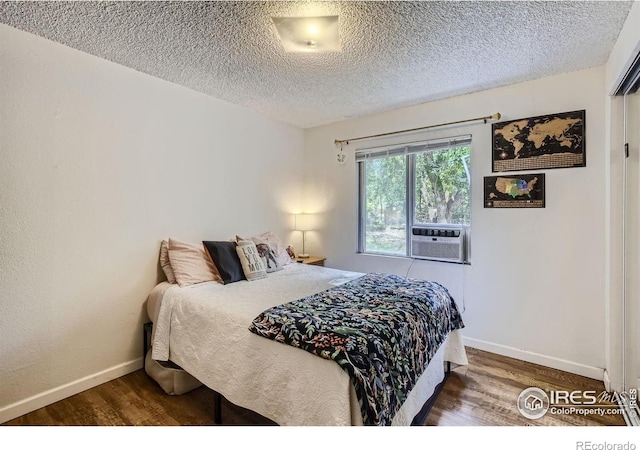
(495, 116)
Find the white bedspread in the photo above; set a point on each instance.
(204, 329)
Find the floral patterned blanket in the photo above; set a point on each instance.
(382, 329)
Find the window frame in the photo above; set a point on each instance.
(409, 150)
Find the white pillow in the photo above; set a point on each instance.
(252, 265)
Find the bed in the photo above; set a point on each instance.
(204, 328)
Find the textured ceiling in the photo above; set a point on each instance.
(394, 54)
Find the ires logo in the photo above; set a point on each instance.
(562, 398)
(534, 403)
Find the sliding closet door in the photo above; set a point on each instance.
(632, 244)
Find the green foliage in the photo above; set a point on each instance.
(385, 203)
(443, 187)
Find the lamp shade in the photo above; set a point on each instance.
(304, 222)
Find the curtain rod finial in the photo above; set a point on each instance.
(496, 116)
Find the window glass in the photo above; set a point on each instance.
(385, 199)
(424, 183)
(442, 186)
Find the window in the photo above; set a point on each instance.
(418, 183)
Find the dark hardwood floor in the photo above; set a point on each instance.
(483, 393)
(486, 391)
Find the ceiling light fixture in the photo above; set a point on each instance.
(308, 34)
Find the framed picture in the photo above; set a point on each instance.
(514, 191)
(544, 142)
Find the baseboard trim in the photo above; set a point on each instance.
(43, 399)
(46, 398)
(548, 361)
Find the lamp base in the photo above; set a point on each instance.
(303, 256)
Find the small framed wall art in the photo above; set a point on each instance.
(514, 191)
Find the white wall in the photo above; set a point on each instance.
(535, 289)
(99, 163)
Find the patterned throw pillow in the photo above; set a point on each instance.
(268, 257)
(276, 245)
(267, 254)
(252, 265)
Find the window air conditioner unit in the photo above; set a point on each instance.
(438, 243)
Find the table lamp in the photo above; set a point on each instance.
(304, 223)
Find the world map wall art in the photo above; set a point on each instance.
(514, 191)
(544, 142)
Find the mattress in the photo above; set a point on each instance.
(204, 329)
